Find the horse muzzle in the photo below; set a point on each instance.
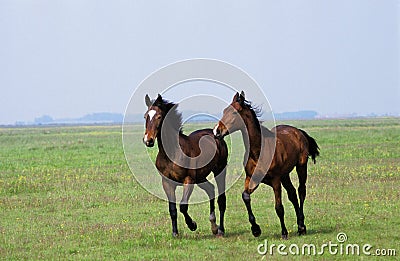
(218, 133)
(149, 142)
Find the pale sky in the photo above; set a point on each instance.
(68, 58)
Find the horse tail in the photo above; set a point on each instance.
(313, 148)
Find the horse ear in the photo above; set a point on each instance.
(159, 98)
(236, 97)
(147, 100)
(242, 96)
(239, 97)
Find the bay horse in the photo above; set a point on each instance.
(271, 156)
(186, 160)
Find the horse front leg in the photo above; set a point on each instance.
(188, 186)
(169, 189)
(221, 180)
(255, 228)
(210, 190)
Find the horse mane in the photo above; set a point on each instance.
(256, 111)
(170, 108)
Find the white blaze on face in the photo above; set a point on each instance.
(145, 138)
(151, 114)
(215, 130)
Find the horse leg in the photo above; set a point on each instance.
(188, 186)
(302, 174)
(169, 189)
(210, 190)
(276, 185)
(220, 178)
(292, 195)
(255, 228)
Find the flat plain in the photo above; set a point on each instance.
(67, 193)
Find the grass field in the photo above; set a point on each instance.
(67, 193)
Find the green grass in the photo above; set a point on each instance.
(67, 193)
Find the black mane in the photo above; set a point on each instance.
(256, 110)
(170, 108)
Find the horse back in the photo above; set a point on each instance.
(193, 141)
(291, 145)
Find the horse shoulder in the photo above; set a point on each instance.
(280, 155)
(186, 145)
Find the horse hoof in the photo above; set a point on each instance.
(220, 233)
(193, 226)
(214, 228)
(256, 230)
(302, 231)
(285, 237)
(175, 234)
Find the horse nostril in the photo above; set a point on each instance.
(150, 143)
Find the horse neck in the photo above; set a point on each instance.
(171, 139)
(252, 137)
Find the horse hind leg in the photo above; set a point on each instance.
(276, 185)
(292, 195)
(302, 174)
(184, 204)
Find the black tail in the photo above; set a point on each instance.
(313, 149)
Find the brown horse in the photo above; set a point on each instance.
(271, 156)
(186, 160)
